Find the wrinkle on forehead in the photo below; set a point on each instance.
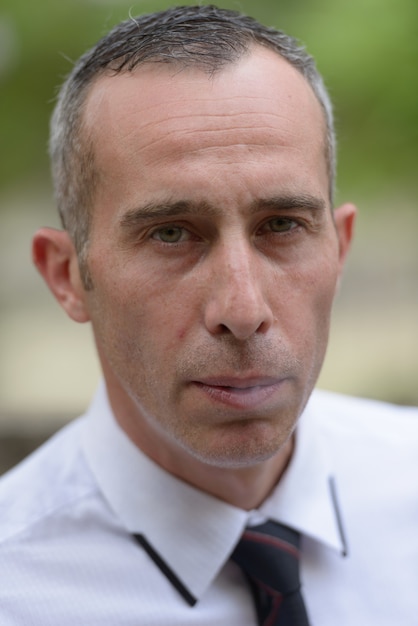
(160, 115)
(245, 142)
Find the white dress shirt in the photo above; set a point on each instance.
(70, 512)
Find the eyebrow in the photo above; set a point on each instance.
(296, 201)
(151, 211)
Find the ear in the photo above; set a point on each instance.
(344, 219)
(55, 257)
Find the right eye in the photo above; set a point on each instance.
(170, 234)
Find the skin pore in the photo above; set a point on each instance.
(215, 258)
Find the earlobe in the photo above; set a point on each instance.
(55, 257)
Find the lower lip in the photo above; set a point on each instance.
(241, 398)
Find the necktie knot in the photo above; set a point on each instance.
(268, 555)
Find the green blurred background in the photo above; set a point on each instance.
(367, 51)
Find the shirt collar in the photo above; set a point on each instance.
(150, 501)
(306, 498)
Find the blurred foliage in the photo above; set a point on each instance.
(366, 49)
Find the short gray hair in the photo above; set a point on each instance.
(204, 36)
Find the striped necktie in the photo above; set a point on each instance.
(268, 554)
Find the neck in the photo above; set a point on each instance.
(245, 487)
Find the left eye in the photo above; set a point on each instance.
(281, 224)
(169, 234)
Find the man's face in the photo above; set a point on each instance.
(213, 254)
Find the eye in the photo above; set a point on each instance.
(281, 224)
(169, 234)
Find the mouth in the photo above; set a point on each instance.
(240, 393)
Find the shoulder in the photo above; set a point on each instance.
(48, 481)
(60, 542)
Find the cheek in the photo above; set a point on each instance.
(143, 314)
(310, 297)
(322, 293)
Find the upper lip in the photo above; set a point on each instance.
(238, 382)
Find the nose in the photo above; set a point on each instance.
(237, 302)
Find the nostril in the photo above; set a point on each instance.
(241, 322)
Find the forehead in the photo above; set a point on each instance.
(160, 113)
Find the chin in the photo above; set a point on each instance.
(252, 445)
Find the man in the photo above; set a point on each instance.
(193, 161)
